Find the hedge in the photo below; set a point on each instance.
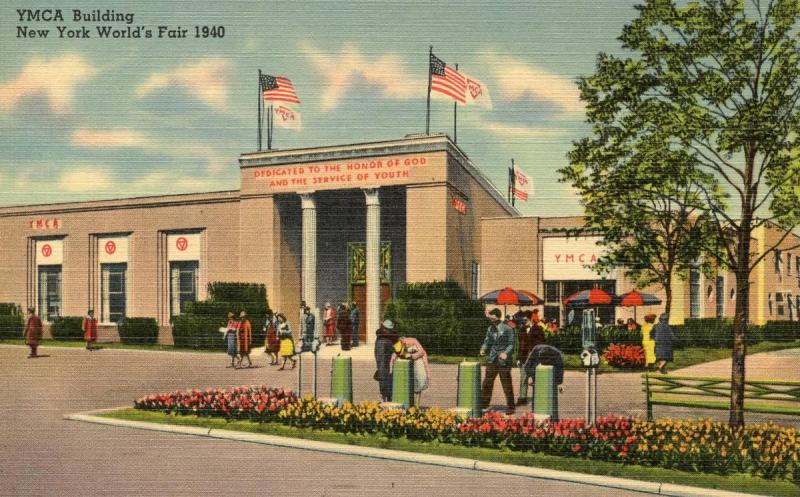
(198, 327)
(11, 326)
(138, 331)
(67, 328)
(440, 316)
(10, 309)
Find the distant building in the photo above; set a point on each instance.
(336, 223)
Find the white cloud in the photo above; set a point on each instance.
(516, 80)
(511, 131)
(108, 138)
(56, 79)
(85, 180)
(387, 73)
(206, 80)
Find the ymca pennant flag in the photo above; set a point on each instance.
(477, 93)
(286, 117)
(278, 89)
(447, 81)
(523, 185)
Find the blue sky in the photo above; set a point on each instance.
(98, 118)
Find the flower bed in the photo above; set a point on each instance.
(254, 403)
(767, 451)
(624, 356)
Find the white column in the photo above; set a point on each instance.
(309, 264)
(373, 262)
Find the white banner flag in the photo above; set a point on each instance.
(523, 185)
(284, 116)
(477, 93)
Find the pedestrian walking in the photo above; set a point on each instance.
(663, 336)
(530, 336)
(308, 328)
(329, 321)
(355, 322)
(385, 338)
(89, 327)
(498, 347)
(344, 326)
(231, 332)
(546, 355)
(245, 339)
(33, 332)
(648, 344)
(273, 343)
(287, 342)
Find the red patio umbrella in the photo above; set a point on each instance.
(635, 299)
(595, 296)
(509, 296)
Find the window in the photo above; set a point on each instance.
(797, 268)
(779, 303)
(778, 261)
(769, 303)
(183, 285)
(694, 293)
(112, 288)
(476, 279)
(790, 306)
(49, 292)
(788, 264)
(551, 292)
(720, 296)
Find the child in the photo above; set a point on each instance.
(287, 343)
(231, 333)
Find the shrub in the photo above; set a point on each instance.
(440, 316)
(198, 332)
(67, 328)
(139, 331)
(706, 332)
(569, 340)
(237, 292)
(11, 326)
(10, 309)
(780, 331)
(624, 356)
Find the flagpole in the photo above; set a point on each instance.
(269, 128)
(428, 114)
(455, 118)
(513, 182)
(260, 97)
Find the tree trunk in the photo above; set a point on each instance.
(740, 321)
(668, 292)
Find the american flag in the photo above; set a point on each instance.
(447, 81)
(278, 89)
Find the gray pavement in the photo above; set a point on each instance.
(46, 455)
(42, 454)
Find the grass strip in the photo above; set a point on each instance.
(734, 482)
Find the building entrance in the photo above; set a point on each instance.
(357, 279)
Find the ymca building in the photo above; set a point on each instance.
(330, 224)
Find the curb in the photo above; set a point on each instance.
(666, 489)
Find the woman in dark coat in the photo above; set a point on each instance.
(663, 336)
(385, 339)
(344, 326)
(33, 332)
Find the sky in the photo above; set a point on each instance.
(93, 118)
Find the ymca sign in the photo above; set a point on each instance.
(566, 258)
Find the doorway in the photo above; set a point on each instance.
(359, 293)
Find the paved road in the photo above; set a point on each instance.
(44, 455)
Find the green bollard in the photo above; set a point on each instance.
(342, 379)
(403, 382)
(545, 393)
(469, 388)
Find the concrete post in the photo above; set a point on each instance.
(403, 382)
(545, 393)
(342, 379)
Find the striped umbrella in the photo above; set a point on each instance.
(595, 296)
(508, 296)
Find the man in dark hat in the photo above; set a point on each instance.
(498, 347)
(385, 338)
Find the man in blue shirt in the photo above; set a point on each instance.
(498, 347)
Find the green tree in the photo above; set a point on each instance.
(648, 209)
(718, 82)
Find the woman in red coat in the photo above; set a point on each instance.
(273, 342)
(33, 332)
(245, 339)
(90, 329)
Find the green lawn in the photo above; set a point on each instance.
(736, 482)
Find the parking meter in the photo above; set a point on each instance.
(590, 358)
(589, 330)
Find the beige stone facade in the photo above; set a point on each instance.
(431, 211)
